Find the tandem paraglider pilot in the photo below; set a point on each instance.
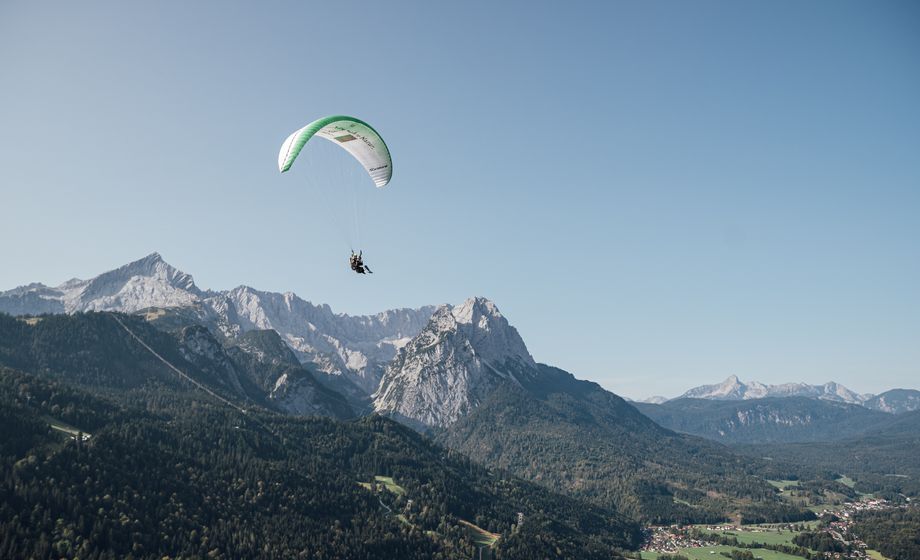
(357, 263)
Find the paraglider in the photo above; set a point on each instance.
(357, 263)
(355, 137)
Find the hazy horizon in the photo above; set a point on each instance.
(657, 195)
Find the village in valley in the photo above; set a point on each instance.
(833, 529)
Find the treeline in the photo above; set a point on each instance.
(821, 492)
(882, 464)
(90, 349)
(738, 555)
(820, 541)
(895, 533)
(802, 548)
(597, 447)
(169, 473)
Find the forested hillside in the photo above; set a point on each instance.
(883, 461)
(573, 435)
(895, 533)
(109, 453)
(97, 351)
(766, 420)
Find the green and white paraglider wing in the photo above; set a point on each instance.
(355, 136)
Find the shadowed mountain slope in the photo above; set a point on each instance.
(768, 420)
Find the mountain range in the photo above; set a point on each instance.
(765, 420)
(735, 389)
(222, 394)
(454, 372)
(353, 354)
(894, 401)
(735, 412)
(349, 353)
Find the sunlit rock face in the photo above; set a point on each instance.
(452, 365)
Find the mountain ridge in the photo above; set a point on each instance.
(764, 420)
(894, 401)
(349, 352)
(735, 389)
(96, 350)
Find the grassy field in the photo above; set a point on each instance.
(818, 508)
(846, 481)
(875, 555)
(779, 526)
(66, 428)
(813, 502)
(480, 535)
(390, 485)
(154, 314)
(387, 482)
(712, 553)
(758, 535)
(783, 484)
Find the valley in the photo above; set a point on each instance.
(835, 533)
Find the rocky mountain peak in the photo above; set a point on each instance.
(452, 365)
(490, 335)
(730, 389)
(148, 282)
(152, 266)
(476, 310)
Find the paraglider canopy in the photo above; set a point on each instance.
(354, 136)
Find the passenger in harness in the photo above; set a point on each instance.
(357, 263)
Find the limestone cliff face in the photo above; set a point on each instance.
(452, 365)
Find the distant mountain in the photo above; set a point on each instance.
(895, 401)
(735, 389)
(767, 420)
(906, 424)
(351, 351)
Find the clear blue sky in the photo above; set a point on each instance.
(657, 194)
